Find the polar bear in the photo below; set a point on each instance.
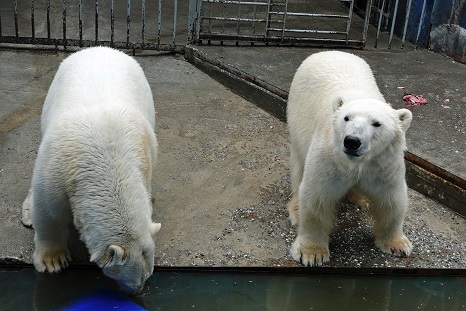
(94, 167)
(345, 139)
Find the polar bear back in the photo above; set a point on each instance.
(98, 76)
(318, 82)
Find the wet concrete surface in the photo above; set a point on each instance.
(221, 183)
(438, 130)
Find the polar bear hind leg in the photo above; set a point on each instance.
(26, 210)
(296, 176)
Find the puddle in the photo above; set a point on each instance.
(232, 289)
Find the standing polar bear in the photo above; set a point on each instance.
(345, 140)
(94, 167)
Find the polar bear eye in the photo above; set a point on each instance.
(346, 118)
(376, 124)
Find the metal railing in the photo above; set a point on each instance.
(120, 24)
(169, 25)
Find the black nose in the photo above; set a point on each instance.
(351, 143)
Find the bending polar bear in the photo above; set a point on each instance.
(94, 167)
(345, 139)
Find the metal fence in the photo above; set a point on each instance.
(171, 24)
(126, 24)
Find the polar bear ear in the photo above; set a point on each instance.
(405, 117)
(154, 228)
(114, 255)
(337, 103)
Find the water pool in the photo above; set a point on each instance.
(22, 288)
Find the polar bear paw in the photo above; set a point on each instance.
(310, 253)
(52, 259)
(400, 246)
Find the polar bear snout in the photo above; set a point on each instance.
(352, 144)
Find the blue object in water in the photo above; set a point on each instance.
(103, 301)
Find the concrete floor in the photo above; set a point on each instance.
(222, 182)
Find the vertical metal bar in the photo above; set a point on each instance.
(421, 20)
(159, 23)
(16, 17)
(175, 14)
(254, 17)
(143, 16)
(366, 22)
(80, 25)
(112, 23)
(408, 11)
(33, 31)
(379, 25)
(285, 15)
(210, 15)
(238, 24)
(194, 25)
(96, 22)
(393, 25)
(350, 18)
(128, 21)
(48, 19)
(267, 21)
(224, 11)
(1, 34)
(64, 22)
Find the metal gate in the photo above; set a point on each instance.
(357, 23)
(169, 25)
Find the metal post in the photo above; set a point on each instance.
(128, 21)
(408, 11)
(48, 19)
(112, 23)
(64, 22)
(366, 22)
(143, 16)
(175, 14)
(350, 18)
(96, 22)
(15, 3)
(159, 23)
(421, 20)
(194, 20)
(33, 31)
(379, 24)
(80, 17)
(393, 25)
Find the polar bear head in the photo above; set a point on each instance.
(129, 264)
(365, 128)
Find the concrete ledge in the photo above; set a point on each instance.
(260, 93)
(422, 176)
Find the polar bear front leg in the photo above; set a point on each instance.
(388, 211)
(51, 217)
(316, 220)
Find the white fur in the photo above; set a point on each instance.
(327, 88)
(94, 167)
